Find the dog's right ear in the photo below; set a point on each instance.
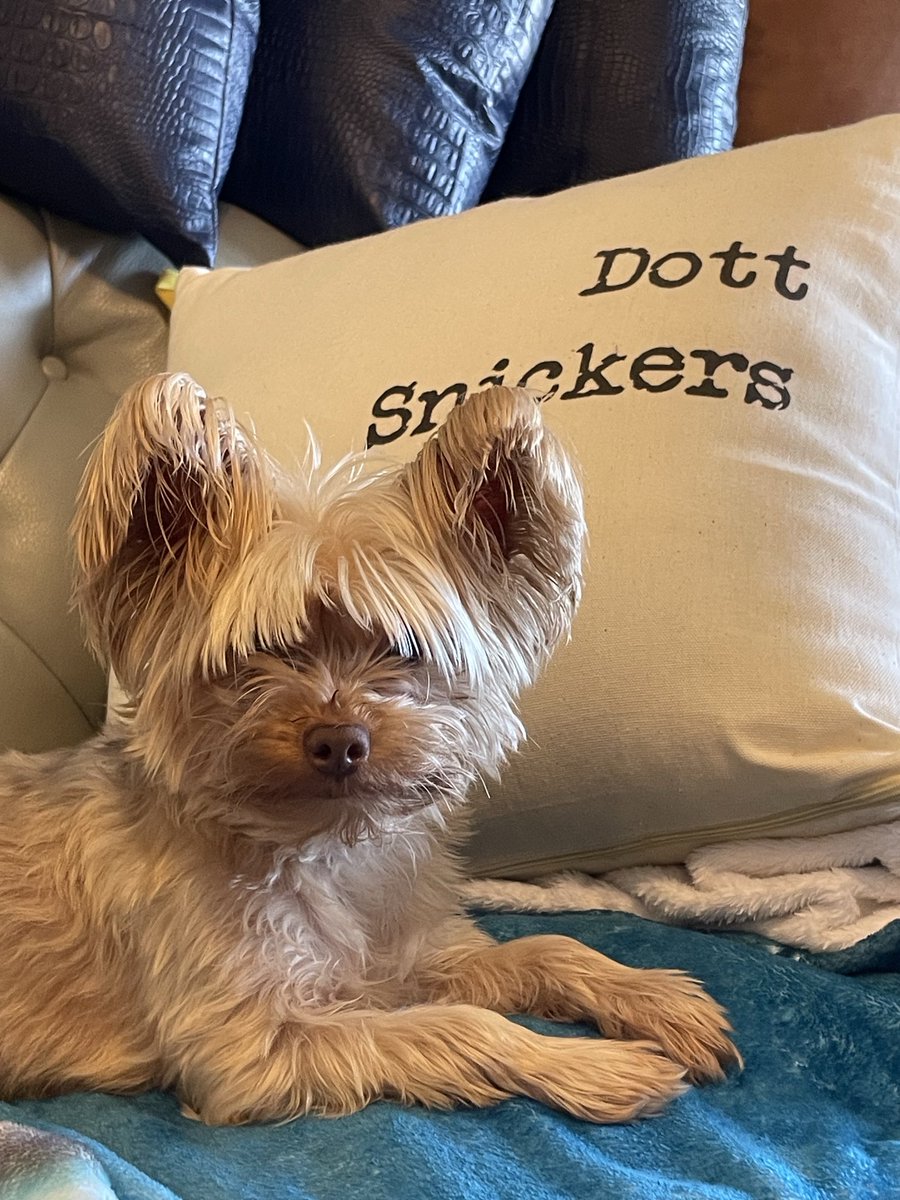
(174, 494)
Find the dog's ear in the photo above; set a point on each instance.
(174, 494)
(500, 498)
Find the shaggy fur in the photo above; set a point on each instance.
(248, 893)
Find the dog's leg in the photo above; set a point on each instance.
(559, 978)
(434, 1055)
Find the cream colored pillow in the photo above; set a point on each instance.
(718, 341)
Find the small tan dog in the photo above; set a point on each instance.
(249, 895)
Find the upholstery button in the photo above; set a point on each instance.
(54, 368)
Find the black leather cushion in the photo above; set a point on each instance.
(622, 85)
(367, 114)
(123, 114)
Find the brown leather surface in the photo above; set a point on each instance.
(814, 64)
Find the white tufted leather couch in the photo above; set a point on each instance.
(79, 322)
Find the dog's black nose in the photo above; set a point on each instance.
(337, 750)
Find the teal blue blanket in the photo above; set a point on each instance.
(814, 1116)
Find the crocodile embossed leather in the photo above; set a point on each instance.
(122, 114)
(620, 86)
(364, 116)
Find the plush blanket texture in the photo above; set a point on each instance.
(815, 893)
(814, 1116)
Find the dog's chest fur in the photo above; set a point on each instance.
(340, 923)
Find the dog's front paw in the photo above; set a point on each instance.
(673, 1010)
(604, 1081)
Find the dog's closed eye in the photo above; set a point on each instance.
(408, 649)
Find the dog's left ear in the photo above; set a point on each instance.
(500, 498)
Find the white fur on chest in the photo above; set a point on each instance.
(341, 924)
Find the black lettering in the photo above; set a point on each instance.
(382, 411)
(693, 261)
(786, 261)
(758, 372)
(594, 375)
(729, 257)
(495, 380)
(642, 364)
(712, 360)
(551, 369)
(609, 257)
(430, 401)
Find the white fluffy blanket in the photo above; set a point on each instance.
(817, 893)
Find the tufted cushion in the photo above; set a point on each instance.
(80, 324)
(123, 113)
(364, 116)
(621, 85)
